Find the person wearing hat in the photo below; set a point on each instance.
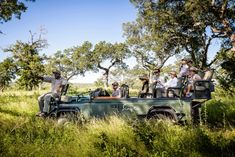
(156, 86)
(193, 76)
(172, 82)
(116, 90)
(57, 83)
(183, 68)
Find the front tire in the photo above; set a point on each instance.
(66, 117)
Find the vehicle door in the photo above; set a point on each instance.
(105, 106)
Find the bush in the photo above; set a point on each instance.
(219, 113)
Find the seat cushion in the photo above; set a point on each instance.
(66, 99)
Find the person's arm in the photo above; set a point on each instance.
(161, 81)
(47, 79)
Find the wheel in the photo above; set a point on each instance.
(66, 117)
(162, 114)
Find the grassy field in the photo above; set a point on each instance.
(23, 134)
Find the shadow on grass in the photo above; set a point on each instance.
(14, 113)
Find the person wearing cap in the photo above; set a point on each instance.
(193, 76)
(157, 86)
(116, 90)
(145, 85)
(57, 83)
(183, 68)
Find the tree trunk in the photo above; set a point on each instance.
(106, 78)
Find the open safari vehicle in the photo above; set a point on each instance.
(174, 106)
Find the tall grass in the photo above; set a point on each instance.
(23, 134)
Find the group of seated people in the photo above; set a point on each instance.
(160, 88)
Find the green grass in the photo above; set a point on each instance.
(23, 134)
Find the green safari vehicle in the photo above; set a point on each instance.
(98, 104)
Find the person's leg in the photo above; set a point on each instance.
(47, 100)
(188, 90)
(41, 102)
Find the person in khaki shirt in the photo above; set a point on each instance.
(57, 83)
(116, 90)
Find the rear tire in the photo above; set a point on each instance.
(162, 114)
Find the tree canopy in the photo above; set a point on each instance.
(9, 8)
(28, 62)
(106, 55)
(7, 72)
(185, 25)
(72, 61)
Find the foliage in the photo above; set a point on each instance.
(71, 62)
(127, 76)
(8, 8)
(7, 73)
(148, 48)
(226, 73)
(107, 55)
(28, 61)
(186, 25)
(219, 113)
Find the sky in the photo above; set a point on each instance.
(69, 23)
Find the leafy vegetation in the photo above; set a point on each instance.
(7, 73)
(10, 8)
(23, 134)
(165, 27)
(28, 62)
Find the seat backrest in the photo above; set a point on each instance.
(99, 92)
(181, 81)
(64, 89)
(208, 74)
(124, 91)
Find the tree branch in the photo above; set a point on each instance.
(101, 67)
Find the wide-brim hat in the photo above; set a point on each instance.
(193, 69)
(144, 77)
(173, 73)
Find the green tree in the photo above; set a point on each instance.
(187, 25)
(28, 61)
(129, 76)
(149, 50)
(7, 73)
(225, 71)
(106, 55)
(71, 62)
(8, 8)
